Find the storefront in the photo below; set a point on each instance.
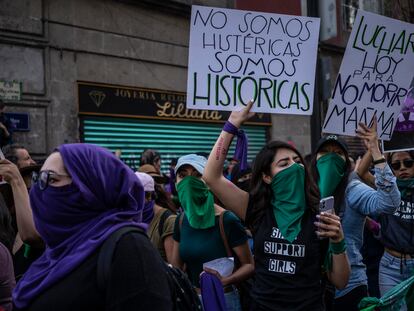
(133, 119)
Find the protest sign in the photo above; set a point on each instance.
(236, 56)
(403, 136)
(374, 77)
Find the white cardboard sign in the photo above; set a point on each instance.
(236, 56)
(375, 75)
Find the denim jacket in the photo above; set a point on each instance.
(361, 201)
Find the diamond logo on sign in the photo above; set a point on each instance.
(97, 97)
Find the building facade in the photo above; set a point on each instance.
(114, 72)
(134, 50)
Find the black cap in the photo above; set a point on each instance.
(332, 138)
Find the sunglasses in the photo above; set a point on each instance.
(45, 177)
(408, 163)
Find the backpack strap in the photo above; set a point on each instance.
(223, 235)
(167, 213)
(106, 254)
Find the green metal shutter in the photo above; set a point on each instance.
(171, 139)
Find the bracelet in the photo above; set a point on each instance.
(380, 160)
(338, 248)
(230, 128)
(241, 146)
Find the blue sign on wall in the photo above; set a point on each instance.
(20, 121)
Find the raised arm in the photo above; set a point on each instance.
(363, 170)
(366, 200)
(229, 194)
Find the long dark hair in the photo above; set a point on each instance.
(7, 234)
(339, 193)
(261, 192)
(163, 199)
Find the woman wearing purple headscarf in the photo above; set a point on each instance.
(84, 194)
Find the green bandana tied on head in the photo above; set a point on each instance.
(197, 202)
(331, 169)
(289, 201)
(405, 185)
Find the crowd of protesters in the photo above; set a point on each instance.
(260, 221)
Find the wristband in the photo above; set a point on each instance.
(338, 248)
(241, 145)
(380, 160)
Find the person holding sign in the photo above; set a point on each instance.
(353, 202)
(282, 212)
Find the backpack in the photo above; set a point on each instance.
(184, 296)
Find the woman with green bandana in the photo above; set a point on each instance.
(197, 237)
(281, 210)
(354, 200)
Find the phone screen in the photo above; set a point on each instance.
(2, 157)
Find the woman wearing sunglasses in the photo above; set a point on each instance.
(84, 194)
(397, 230)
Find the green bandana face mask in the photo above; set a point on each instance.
(331, 169)
(197, 202)
(289, 200)
(405, 185)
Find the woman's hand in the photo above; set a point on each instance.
(215, 273)
(237, 118)
(370, 138)
(330, 226)
(10, 172)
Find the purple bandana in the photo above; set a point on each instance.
(148, 212)
(212, 293)
(241, 146)
(74, 220)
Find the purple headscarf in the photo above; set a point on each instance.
(74, 220)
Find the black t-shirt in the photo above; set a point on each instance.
(287, 275)
(137, 282)
(22, 261)
(397, 229)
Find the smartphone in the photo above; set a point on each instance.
(326, 205)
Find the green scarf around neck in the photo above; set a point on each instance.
(197, 202)
(289, 200)
(405, 186)
(331, 169)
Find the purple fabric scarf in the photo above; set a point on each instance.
(148, 212)
(241, 145)
(212, 293)
(74, 220)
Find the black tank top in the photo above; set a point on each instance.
(287, 275)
